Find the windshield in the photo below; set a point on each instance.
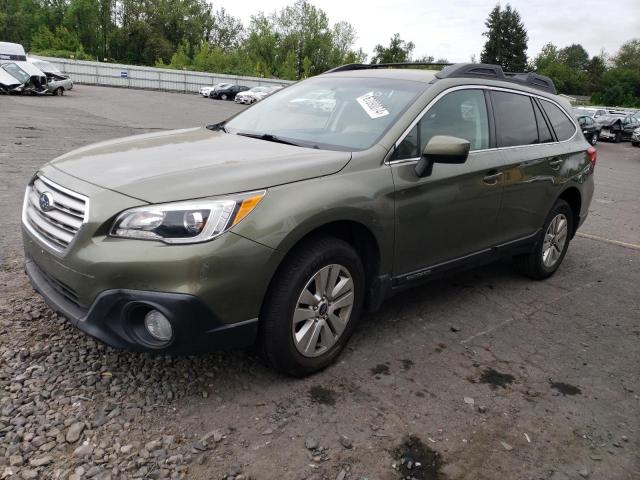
(17, 72)
(330, 113)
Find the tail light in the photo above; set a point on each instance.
(592, 154)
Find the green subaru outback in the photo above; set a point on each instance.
(279, 226)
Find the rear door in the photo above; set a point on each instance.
(535, 155)
(453, 212)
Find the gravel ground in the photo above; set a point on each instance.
(483, 375)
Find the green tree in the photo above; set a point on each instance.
(227, 32)
(398, 51)
(629, 55)
(507, 38)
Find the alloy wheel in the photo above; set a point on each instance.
(555, 239)
(323, 310)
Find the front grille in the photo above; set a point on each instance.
(57, 225)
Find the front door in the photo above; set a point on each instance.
(453, 212)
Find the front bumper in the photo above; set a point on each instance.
(116, 318)
(208, 289)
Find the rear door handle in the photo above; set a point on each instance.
(492, 177)
(555, 163)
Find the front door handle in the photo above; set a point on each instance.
(492, 177)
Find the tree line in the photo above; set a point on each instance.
(295, 42)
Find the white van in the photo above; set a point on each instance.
(12, 52)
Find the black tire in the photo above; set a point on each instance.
(532, 264)
(594, 138)
(223, 96)
(618, 137)
(276, 320)
(635, 144)
(59, 91)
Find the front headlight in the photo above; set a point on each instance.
(185, 222)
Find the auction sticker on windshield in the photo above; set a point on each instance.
(372, 106)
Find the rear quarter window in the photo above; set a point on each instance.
(563, 127)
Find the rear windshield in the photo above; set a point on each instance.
(330, 113)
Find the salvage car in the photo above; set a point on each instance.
(12, 52)
(589, 112)
(206, 91)
(617, 127)
(227, 93)
(32, 79)
(9, 83)
(635, 138)
(590, 128)
(57, 82)
(278, 227)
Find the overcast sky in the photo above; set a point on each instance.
(453, 28)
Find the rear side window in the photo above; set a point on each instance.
(515, 119)
(561, 124)
(544, 134)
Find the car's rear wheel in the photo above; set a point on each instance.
(618, 137)
(312, 306)
(635, 144)
(594, 138)
(552, 244)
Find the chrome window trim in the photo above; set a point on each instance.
(479, 87)
(37, 235)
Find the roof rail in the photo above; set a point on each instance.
(495, 72)
(370, 66)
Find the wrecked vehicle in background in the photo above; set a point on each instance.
(9, 83)
(12, 52)
(31, 78)
(617, 127)
(57, 82)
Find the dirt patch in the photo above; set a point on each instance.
(496, 379)
(415, 460)
(322, 395)
(406, 364)
(380, 369)
(565, 388)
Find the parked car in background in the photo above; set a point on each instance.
(12, 52)
(227, 93)
(57, 82)
(590, 128)
(206, 91)
(280, 226)
(33, 80)
(589, 112)
(256, 94)
(617, 127)
(635, 138)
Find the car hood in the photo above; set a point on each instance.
(195, 163)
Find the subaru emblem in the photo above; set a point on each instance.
(46, 201)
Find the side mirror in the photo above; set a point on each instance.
(442, 149)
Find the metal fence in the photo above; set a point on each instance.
(131, 76)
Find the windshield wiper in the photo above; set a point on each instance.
(268, 137)
(218, 127)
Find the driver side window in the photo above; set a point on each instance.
(462, 114)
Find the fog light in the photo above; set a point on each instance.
(158, 326)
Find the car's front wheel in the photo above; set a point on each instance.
(223, 96)
(312, 306)
(552, 244)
